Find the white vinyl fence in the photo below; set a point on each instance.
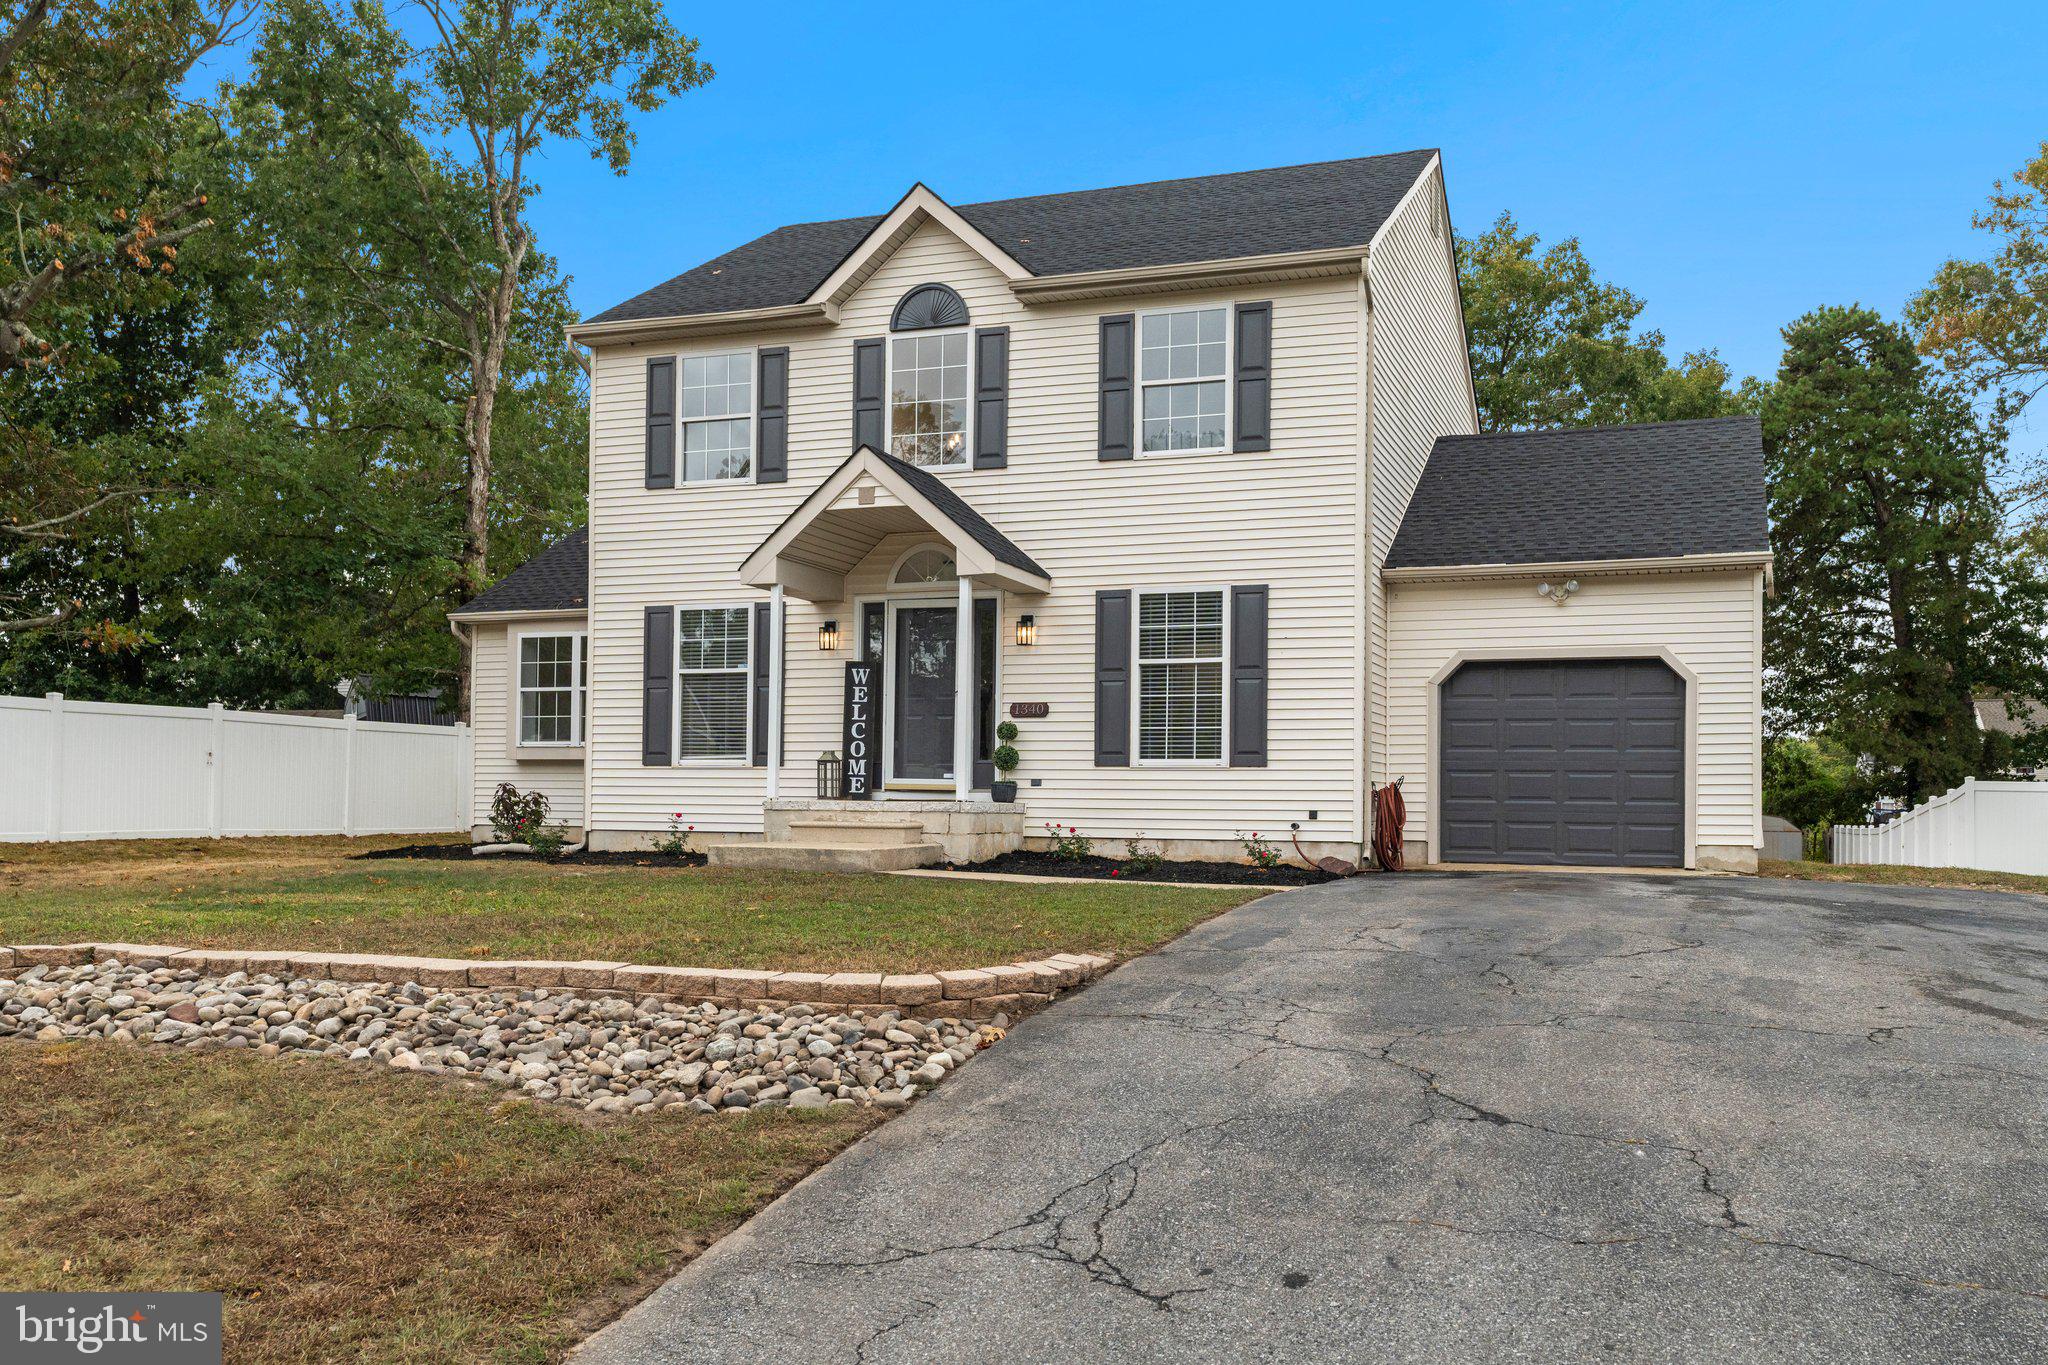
(98, 770)
(1995, 826)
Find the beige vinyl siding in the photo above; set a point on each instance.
(1287, 519)
(490, 708)
(1709, 622)
(1420, 390)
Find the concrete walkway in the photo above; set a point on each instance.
(1434, 1118)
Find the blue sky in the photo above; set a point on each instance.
(1734, 164)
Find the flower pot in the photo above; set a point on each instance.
(1002, 791)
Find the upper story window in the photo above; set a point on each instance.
(928, 398)
(926, 307)
(924, 566)
(1182, 367)
(718, 417)
(554, 686)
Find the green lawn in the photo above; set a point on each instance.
(309, 894)
(1962, 878)
(351, 1214)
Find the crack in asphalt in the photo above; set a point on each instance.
(921, 1308)
(1073, 1237)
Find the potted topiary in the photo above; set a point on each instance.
(1005, 759)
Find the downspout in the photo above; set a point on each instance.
(1365, 711)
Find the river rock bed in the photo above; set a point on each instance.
(601, 1053)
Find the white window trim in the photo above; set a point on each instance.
(943, 548)
(745, 759)
(753, 416)
(579, 688)
(889, 394)
(1227, 379)
(1138, 596)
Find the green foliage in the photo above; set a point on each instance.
(1005, 758)
(1258, 851)
(1813, 784)
(1141, 857)
(1900, 594)
(1987, 321)
(1555, 346)
(1068, 842)
(676, 842)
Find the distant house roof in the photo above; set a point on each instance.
(1652, 491)
(1993, 715)
(556, 579)
(1325, 204)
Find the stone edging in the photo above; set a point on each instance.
(1013, 988)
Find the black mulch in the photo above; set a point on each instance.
(461, 853)
(1108, 869)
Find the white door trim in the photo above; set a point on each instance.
(920, 598)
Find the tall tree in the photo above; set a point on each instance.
(1901, 594)
(1987, 321)
(101, 181)
(446, 122)
(1553, 345)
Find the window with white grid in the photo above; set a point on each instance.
(928, 398)
(713, 684)
(553, 684)
(1181, 365)
(718, 422)
(1180, 677)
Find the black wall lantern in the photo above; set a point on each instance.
(828, 636)
(831, 771)
(1027, 631)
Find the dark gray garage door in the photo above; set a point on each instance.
(1564, 761)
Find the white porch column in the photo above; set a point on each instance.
(775, 633)
(963, 693)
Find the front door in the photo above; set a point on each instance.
(924, 694)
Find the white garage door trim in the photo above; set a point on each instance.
(1553, 654)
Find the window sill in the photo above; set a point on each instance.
(712, 763)
(547, 753)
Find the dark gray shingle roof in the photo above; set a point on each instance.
(1166, 222)
(1633, 492)
(966, 518)
(556, 579)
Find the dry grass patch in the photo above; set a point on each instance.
(351, 1215)
(201, 894)
(1960, 878)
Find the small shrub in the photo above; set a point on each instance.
(1007, 731)
(1069, 843)
(515, 816)
(548, 841)
(1259, 852)
(1005, 759)
(676, 842)
(1140, 857)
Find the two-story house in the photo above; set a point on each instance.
(1180, 479)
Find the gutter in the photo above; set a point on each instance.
(702, 324)
(1650, 564)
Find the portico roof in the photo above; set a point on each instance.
(870, 496)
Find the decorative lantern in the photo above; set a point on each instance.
(1027, 631)
(828, 636)
(831, 773)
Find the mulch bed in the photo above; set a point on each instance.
(461, 853)
(1111, 869)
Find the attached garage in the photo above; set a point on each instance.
(1563, 761)
(1574, 665)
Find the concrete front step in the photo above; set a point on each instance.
(852, 834)
(816, 857)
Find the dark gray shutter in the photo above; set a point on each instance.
(1115, 417)
(1112, 679)
(661, 421)
(658, 688)
(1248, 677)
(870, 374)
(759, 755)
(1253, 401)
(991, 397)
(771, 461)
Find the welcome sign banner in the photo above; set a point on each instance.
(863, 734)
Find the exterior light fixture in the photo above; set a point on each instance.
(828, 636)
(1027, 631)
(1559, 594)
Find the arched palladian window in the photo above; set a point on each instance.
(926, 307)
(924, 567)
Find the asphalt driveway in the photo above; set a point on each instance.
(1436, 1118)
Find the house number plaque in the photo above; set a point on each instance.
(1030, 710)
